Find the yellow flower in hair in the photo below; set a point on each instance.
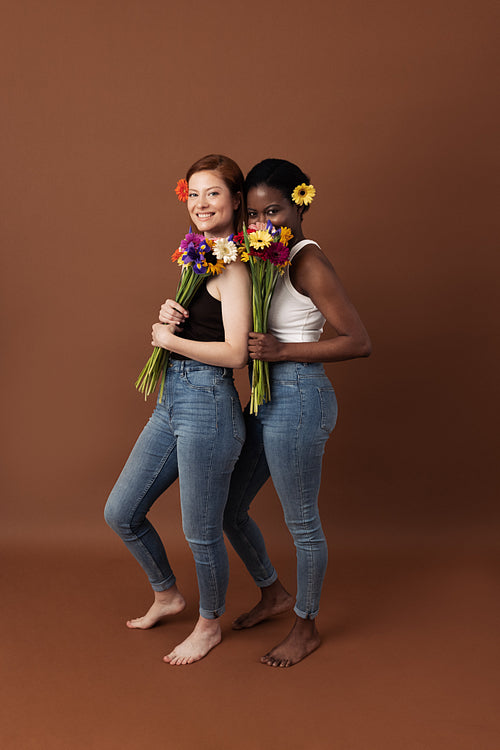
(260, 239)
(303, 194)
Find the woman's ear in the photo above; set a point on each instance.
(237, 200)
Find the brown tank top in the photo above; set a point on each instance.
(205, 319)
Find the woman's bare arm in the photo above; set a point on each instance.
(314, 276)
(233, 288)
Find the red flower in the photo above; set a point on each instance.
(182, 190)
(177, 254)
(239, 239)
(276, 253)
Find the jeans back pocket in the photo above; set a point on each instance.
(328, 408)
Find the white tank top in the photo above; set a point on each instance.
(293, 317)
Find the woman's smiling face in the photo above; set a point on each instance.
(211, 205)
(265, 203)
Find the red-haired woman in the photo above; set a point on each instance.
(197, 430)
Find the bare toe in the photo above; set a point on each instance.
(169, 602)
(205, 636)
(301, 641)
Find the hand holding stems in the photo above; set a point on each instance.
(264, 346)
(172, 313)
(161, 335)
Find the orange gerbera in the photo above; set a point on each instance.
(215, 268)
(286, 235)
(182, 190)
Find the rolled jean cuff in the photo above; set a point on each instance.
(164, 585)
(268, 581)
(305, 615)
(209, 614)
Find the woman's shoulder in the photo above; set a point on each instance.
(235, 272)
(310, 267)
(236, 267)
(309, 253)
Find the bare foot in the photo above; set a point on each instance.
(169, 602)
(205, 636)
(275, 600)
(301, 641)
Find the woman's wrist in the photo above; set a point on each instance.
(283, 352)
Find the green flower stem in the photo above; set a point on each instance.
(264, 277)
(155, 368)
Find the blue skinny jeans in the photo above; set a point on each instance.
(195, 433)
(286, 440)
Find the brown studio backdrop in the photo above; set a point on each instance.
(388, 106)
(385, 105)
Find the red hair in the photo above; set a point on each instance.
(233, 179)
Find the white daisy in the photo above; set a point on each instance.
(225, 250)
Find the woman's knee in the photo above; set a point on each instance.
(307, 535)
(116, 515)
(110, 515)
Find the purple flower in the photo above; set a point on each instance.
(198, 267)
(192, 239)
(273, 231)
(195, 246)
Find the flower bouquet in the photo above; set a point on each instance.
(266, 251)
(199, 258)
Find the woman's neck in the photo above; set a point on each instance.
(298, 235)
(217, 235)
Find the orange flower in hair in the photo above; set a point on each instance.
(182, 190)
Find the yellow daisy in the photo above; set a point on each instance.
(260, 239)
(215, 268)
(303, 194)
(286, 235)
(244, 256)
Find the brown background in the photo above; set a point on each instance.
(388, 106)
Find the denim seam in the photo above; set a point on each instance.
(323, 414)
(242, 529)
(153, 480)
(213, 573)
(209, 389)
(234, 405)
(309, 554)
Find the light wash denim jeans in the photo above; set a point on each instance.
(286, 440)
(195, 433)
